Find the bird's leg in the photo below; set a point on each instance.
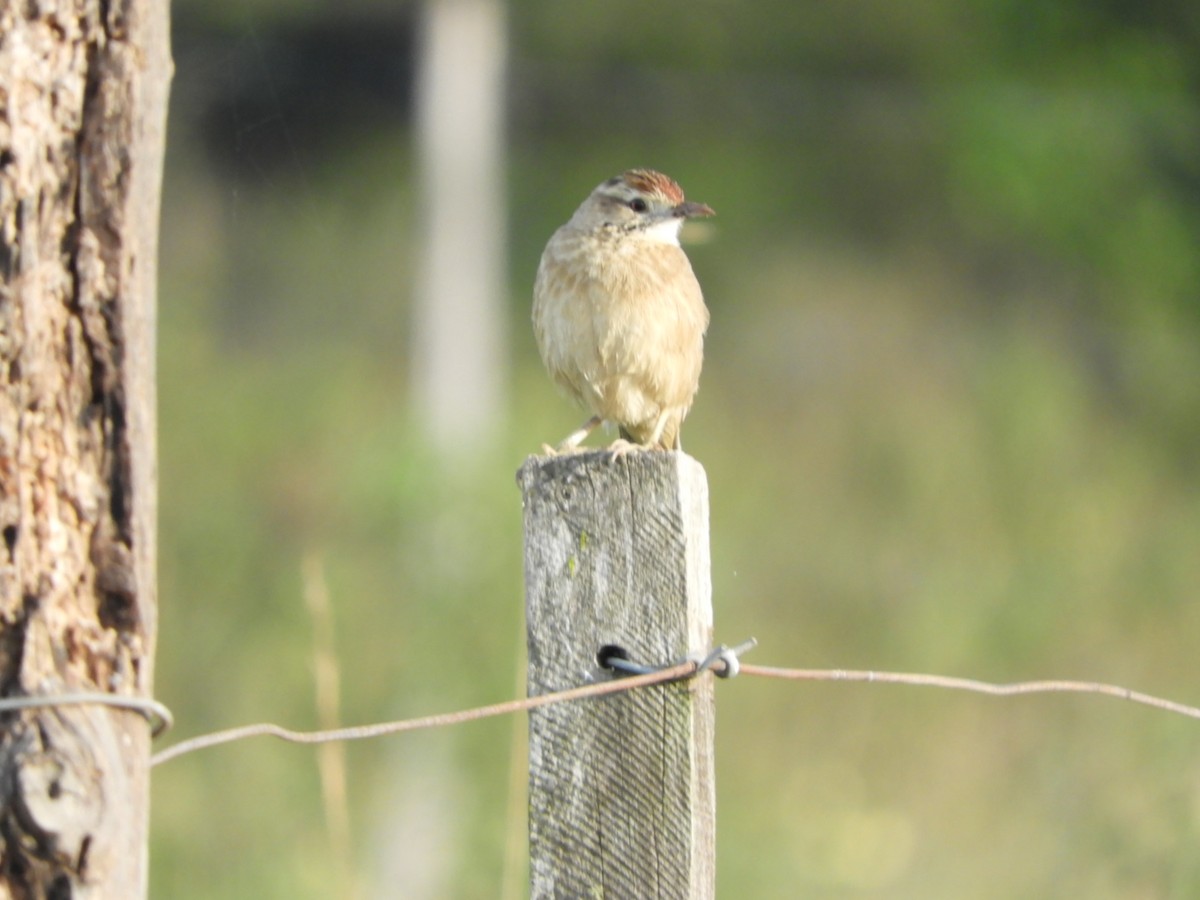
(659, 427)
(574, 439)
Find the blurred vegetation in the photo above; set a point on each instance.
(950, 416)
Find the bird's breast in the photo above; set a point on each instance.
(620, 323)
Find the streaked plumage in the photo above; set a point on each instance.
(617, 312)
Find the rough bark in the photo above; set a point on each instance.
(83, 87)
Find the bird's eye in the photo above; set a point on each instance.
(637, 204)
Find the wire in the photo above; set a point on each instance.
(362, 732)
(723, 662)
(971, 684)
(147, 708)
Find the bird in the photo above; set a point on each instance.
(618, 315)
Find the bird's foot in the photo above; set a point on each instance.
(572, 442)
(621, 447)
(564, 449)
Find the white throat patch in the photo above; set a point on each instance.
(666, 231)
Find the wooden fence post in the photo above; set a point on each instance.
(621, 790)
(81, 158)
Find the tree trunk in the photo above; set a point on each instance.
(460, 370)
(83, 86)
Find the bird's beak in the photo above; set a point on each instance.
(691, 210)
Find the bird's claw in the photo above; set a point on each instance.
(621, 447)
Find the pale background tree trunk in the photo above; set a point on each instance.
(460, 366)
(83, 88)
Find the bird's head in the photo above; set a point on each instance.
(640, 201)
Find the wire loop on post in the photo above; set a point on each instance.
(152, 711)
(629, 667)
(723, 661)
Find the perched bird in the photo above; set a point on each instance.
(618, 314)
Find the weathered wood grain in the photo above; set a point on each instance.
(82, 128)
(621, 789)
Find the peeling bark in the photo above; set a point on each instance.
(83, 88)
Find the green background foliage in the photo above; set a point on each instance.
(950, 415)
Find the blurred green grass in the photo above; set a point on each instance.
(937, 439)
